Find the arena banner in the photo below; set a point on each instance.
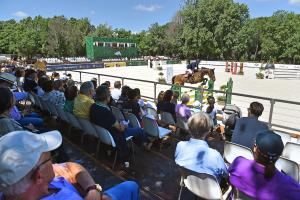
(114, 64)
(70, 67)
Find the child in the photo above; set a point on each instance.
(211, 109)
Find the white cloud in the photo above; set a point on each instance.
(150, 8)
(20, 14)
(92, 12)
(294, 2)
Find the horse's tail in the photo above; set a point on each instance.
(173, 79)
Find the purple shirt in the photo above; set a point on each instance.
(183, 111)
(248, 177)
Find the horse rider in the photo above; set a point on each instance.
(192, 68)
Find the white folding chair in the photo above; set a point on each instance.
(285, 137)
(73, 120)
(152, 112)
(107, 138)
(117, 113)
(202, 185)
(181, 122)
(232, 151)
(87, 127)
(151, 128)
(52, 108)
(61, 113)
(133, 121)
(167, 118)
(291, 151)
(288, 167)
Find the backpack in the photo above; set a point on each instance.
(230, 114)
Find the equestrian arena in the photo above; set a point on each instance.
(284, 114)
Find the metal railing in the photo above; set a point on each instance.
(294, 125)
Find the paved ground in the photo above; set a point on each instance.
(284, 114)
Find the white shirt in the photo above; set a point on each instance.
(116, 93)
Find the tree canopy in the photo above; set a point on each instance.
(203, 29)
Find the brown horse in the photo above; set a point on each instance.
(196, 77)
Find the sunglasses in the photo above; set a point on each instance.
(51, 158)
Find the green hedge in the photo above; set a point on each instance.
(136, 63)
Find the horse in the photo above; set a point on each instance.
(196, 77)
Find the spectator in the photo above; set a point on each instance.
(70, 94)
(100, 114)
(20, 74)
(160, 96)
(132, 104)
(259, 178)
(55, 76)
(181, 109)
(165, 105)
(7, 103)
(175, 97)
(195, 154)
(124, 96)
(41, 81)
(28, 173)
(58, 94)
(84, 100)
(48, 89)
(247, 128)
(30, 83)
(141, 102)
(8, 80)
(211, 109)
(116, 92)
(94, 81)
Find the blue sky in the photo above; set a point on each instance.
(134, 15)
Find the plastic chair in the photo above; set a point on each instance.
(61, 113)
(285, 137)
(181, 122)
(73, 120)
(291, 151)
(117, 113)
(152, 112)
(288, 167)
(87, 127)
(202, 185)
(105, 137)
(232, 151)
(133, 121)
(151, 128)
(52, 108)
(167, 118)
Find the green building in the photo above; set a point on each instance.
(98, 48)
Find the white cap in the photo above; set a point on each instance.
(20, 151)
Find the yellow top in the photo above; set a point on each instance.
(82, 104)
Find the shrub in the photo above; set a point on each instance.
(161, 73)
(221, 98)
(159, 68)
(162, 80)
(260, 75)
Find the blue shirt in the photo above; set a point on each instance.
(197, 156)
(246, 130)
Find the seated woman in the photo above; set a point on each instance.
(181, 109)
(132, 104)
(7, 102)
(70, 94)
(165, 105)
(259, 178)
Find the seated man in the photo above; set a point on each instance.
(247, 128)
(28, 173)
(101, 114)
(84, 100)
(259, 178)
(116, 92)
(195, 154)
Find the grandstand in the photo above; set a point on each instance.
(108, 48)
